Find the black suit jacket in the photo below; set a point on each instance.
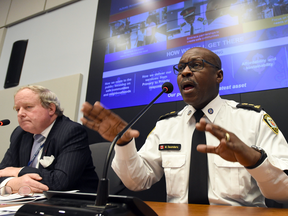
(68, 142)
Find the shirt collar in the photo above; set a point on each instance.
(46, 132)
(210, 110)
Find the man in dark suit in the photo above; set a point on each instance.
(62, 160)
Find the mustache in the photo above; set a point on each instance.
(186, 80)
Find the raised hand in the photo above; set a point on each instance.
(106, 123)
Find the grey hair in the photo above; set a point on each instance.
(46, 97)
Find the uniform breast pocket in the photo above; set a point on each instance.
(231, 179)
(174, 174)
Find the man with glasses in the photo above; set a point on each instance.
(237, 171)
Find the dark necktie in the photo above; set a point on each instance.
(191, 30)
(198, 176)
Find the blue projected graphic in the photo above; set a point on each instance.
(145, 42)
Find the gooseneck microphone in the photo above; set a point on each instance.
(103, 185)
(4, 122)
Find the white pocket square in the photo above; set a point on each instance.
(47, 161)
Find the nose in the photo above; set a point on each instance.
(20, 112)
(187, 71)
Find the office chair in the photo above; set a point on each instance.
(99, 153)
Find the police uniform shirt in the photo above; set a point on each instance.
(222, 22)
(197, 27)
(229, 182)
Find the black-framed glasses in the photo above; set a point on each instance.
(194, 65)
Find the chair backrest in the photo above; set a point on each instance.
(99, 153)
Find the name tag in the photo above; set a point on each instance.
(163, 147)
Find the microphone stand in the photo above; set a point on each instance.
(103, 185)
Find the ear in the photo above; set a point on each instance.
(52, 109)
(219, 76)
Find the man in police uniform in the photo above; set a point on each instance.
(193, 23)
(237, 135)
(189, 16)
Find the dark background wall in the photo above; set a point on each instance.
(274, 102)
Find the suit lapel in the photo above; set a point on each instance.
(48, 146)
(25, 149)
(44, 152)
(45, 148)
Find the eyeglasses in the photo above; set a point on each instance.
(194, 65)
(23, 191)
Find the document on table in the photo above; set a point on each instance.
(9, 210)
(18, 199)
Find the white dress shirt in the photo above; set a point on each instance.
(45, 134)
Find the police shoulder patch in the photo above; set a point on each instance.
(248, 106)
(168, 115)
(270, 122)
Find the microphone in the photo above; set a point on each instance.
(103, 186)
(4, 122)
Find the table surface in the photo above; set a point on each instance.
(167, 209)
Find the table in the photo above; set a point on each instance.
(167, 209)
(175, 209)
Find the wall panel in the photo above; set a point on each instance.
(21, 9)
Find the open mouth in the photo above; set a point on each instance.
(187, 87)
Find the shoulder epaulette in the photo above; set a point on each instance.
(168, 115)
(256, 108)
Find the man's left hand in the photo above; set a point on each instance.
(230, 148)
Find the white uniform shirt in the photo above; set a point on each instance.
(229, 182)
(140, 35)
(197, 27)
(222, 22)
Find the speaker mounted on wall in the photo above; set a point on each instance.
(15, 64)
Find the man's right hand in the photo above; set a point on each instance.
(106, 123)
(31, 180)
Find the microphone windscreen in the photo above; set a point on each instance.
(168, 87)
(4, 122)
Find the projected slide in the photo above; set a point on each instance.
(148, 37)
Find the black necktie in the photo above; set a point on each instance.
(198, 176)
(191, 30)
